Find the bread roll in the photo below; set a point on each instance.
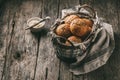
(63, 30)
(73, 39)
(70, 18)
(79, 28)
(88, 22)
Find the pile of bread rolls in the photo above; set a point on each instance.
(74, 28)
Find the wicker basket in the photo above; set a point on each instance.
(69, 53)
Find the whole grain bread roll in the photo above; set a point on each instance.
(70, 18)
(63, 30)
(73, 39)
(80, 28)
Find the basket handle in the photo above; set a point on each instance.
(59, 37)
(89, 7)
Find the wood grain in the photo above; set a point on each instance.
(47, 64)
(30, 56)
(22, 46)
(4, 35)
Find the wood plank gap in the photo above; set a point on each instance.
(72, 76)
(46, 73)
(58, 16)
(59, 70)
(36, 57)
(39, 37)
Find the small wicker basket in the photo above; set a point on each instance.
(69, 53)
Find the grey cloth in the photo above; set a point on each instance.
(100, 49)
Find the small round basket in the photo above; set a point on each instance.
(69, 53)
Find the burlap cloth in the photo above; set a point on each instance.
(98, 51)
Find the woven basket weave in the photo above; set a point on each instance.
(69, 53)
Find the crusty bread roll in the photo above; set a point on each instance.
(79, 27)
(70, 18)
(63, 30)
(88, 22)
(73, 39)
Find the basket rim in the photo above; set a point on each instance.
(72, 44)
(78, 13)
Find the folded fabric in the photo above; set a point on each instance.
(92, 53)
(98, 51)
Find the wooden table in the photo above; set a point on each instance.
(27, 56)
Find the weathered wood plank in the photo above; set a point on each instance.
(31, 57)
(109, 10)
(8, 31)
(47, 64)
(22, 49)
(4, 15)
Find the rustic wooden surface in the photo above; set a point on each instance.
(27, 56)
